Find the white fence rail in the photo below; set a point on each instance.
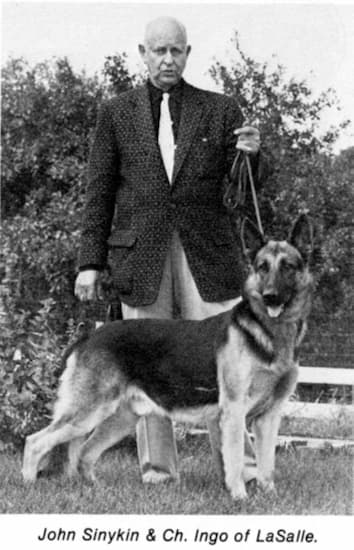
(319, 375)
(326, 412)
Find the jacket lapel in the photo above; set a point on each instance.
(143, 122)
(192, 109)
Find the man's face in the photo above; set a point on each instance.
(165, 55)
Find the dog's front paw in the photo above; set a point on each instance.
(238, 492)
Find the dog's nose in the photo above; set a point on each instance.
(271, 299)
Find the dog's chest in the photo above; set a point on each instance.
(262, 378)
(284, 343)
(271, 384)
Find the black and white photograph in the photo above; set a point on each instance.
(176, 274)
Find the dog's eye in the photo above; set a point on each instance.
(263, 267)
(289, 268)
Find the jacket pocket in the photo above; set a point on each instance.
(122, 246)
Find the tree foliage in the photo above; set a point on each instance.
(48, 112)
(48, 116)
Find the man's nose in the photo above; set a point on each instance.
(168, 58)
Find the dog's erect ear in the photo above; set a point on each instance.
(301, 236)
(252, 240)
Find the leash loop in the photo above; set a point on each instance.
(235, 194)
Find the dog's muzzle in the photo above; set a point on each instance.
(273, 303)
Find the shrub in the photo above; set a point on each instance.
(48, 116)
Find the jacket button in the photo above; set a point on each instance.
(173, 205)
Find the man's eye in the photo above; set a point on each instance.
(160, 51)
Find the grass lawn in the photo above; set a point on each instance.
(308, 482)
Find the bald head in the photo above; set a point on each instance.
(165, 51)
(162, 26)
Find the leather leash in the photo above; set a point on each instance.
(235, 194)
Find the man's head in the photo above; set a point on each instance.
(165, 51)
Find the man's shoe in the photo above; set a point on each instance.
(157, 476)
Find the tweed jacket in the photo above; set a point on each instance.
(132, 209)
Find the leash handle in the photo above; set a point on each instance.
(254, 195)
(233, 171)
(232, 196)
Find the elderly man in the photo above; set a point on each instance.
(154, 205)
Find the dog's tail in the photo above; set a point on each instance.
(69, 364)
(65, 404)
(90, 380)
(82, 334)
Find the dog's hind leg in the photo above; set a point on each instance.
(60, 431)
(107, 434)
(31, 465)
(41, 443)
(74, 452)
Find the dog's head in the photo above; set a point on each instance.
(279, 276)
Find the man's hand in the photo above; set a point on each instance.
(249, 139)
(86, 285)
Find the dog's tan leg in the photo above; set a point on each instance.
(213, 424)
(29, 470)
(32, 463)
(232, 436)
(266, 429)
(61, 431)
(41, 443)
(111, 431)
(74, 452)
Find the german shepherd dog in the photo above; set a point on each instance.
(234, 367)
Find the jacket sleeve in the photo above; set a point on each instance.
(100, 192)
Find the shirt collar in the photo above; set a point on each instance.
(175, 92)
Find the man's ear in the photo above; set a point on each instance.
(188, 50)
(142, 51)
(251, 239)
(301, 236)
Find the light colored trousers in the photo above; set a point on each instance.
(156, 444)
